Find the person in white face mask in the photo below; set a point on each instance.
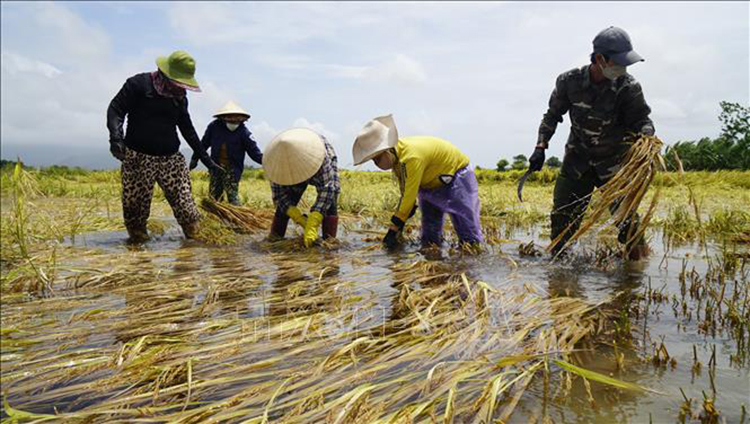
(229, 140)
(607, 112)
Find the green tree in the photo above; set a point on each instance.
(554, 162)
(519, 162)
(502, 164)
(731, 150)
(735, 121)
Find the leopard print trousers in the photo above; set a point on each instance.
(139, 173)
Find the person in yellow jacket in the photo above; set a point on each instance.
(428, 168)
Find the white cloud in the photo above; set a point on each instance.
(665, 109)
(423, 123)
(75, 40)
(263, 132)
(401, 69)
(476, 73)
(318, 127)
(14, 64)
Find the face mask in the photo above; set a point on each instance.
(232, 126)
(387, 162)
(612, 72)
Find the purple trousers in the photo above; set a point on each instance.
(459, 199)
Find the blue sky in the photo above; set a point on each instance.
(476, 74)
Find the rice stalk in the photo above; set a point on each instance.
(625, 190)
(311, 361)
(240, 218)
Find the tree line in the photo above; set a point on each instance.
(731, 150)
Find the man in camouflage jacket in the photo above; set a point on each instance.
(606, 109)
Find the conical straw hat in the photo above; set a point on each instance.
(377, 135)
(293, 156)
(231, 108)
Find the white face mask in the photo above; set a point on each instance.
(232, 126)
(612, 72)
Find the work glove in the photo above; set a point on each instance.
(536, 161)
(213, 166)
(294, 213)
(391, 239)
(117, 148)
(311, 228)
(193, 163)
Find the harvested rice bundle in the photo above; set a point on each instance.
(214, 231)
(240, 218)
(626, 190)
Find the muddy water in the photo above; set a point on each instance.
(503, 266)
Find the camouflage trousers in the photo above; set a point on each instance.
(224, 183)
(571, 198)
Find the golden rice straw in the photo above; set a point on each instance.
(628, 187)
(241, 218)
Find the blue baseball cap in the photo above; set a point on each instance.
(615, 43)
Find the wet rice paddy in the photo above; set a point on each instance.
(180, 331)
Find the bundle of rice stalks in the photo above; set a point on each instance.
(240, 218)
(625, 191)
(213, 231)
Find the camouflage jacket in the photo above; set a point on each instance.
(601, 117)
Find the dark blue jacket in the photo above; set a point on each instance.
(238, 143)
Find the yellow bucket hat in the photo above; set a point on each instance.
(180, 68)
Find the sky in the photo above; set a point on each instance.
(478, 74)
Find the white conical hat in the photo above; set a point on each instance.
(231, 108)
(293, 156)
(377, 135)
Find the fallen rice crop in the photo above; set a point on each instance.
(190, 348)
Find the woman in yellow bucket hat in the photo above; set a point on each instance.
(155, 104)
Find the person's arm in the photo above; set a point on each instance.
(185, 124)
(251, 147)
(280, 197)
(118, 108)
(559, 104)
(205, 143)
(411, 176)
(327, 184)
(635, 111)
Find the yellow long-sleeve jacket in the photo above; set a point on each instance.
(421, 162)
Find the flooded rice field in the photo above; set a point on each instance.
(176, 330)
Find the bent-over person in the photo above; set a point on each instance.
(294, 160)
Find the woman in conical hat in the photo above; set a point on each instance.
(155, 104)
(428, 168)
(293, 160)
(229, 139)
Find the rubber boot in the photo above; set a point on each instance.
(330, 226)
(191, 230)
(137, 234)
(559, 223)
(278, 226)
(637, 249)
